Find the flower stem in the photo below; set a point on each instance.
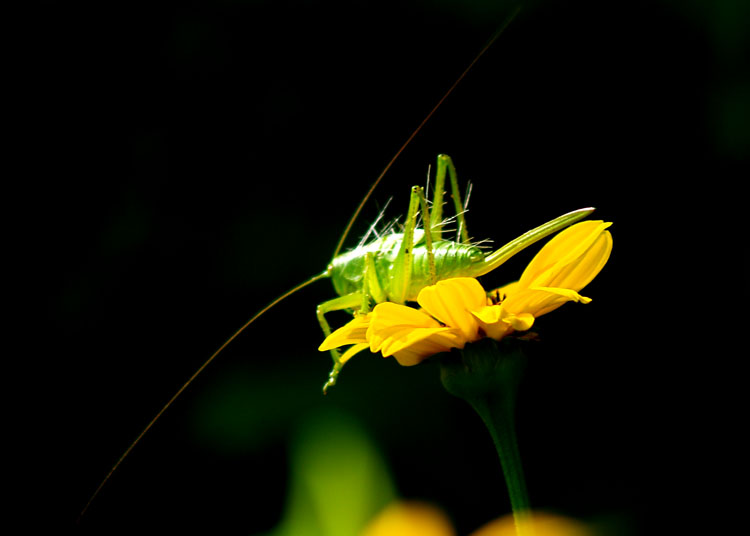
(486, 374)
(501, 425)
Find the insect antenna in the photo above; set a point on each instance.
(416, 130)
(190, 380)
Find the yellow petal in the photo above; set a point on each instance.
(409, 357)
(391, 320)
(435, 344)
(588, 266)
(572, 258)
(354, 350)
(426, 341)
(489, 315)
(498, 330)
(352, 333)
(520, 322)
(409, 333)
(496, 322)
(392, 314)
(451, 301)
(579, 273)
(539, 300)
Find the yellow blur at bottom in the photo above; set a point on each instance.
(540, 524)
(411, 518)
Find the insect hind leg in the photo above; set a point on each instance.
(403, 265)
(445, 166)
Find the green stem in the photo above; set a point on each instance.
(486, 374)
(501, 425)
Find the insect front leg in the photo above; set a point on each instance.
(403, 263)
(372, 287)
(350, 301)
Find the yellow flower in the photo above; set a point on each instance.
(458, 311)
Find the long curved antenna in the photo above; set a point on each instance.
(190, 380)
(416, 131)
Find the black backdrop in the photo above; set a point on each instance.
(191, 161)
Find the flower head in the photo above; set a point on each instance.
(458, 311)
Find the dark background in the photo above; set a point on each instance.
(191, 161)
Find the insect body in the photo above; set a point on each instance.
(395, 267)
(452, 259)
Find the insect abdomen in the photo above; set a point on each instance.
(451, 260)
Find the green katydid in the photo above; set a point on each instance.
(395, 266)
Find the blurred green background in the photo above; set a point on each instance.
(196, 159)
